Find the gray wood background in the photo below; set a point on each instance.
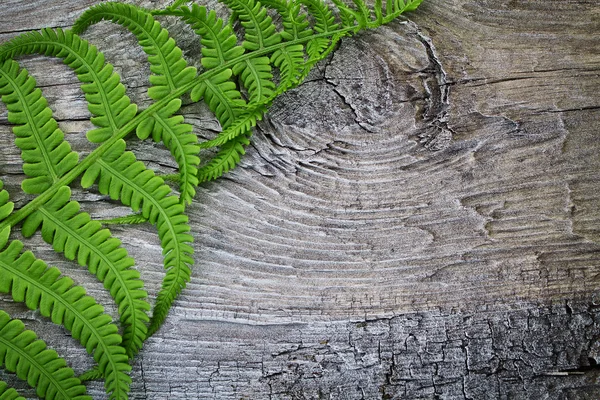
(419, 220)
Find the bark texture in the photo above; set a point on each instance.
(419, 220)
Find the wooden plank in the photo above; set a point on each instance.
(418, 220)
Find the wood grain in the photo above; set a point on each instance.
(420, 219)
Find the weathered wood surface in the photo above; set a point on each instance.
(419, 220)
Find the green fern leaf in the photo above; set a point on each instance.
(259, 33)
(36, 145)
(110, 107)
(219, 46)
(221, 95)
(259, 30)
(169, 71)
(6, 206)
(228, 156)
(7, 393)
(257, 78)
(22, 353)
(324, 23)
(93, 374)
(290, 59)
(219, 42)
(122, 177)
(47, 156)
(73, 233)
(180, 140)
(242, 125)
(29, 280)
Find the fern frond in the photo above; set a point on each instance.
(228, 156)
(169, 69)
(221, 95)
(324, 22)
(22, 353)
(169, 72)
(74, 233)
(122, 177)
(219, 42)
(178, 137)
(110, 107)
(257, 78)
(125, 220)
(46, 155)
(219, 46)
(242, 125)
(6, 206)
(93, 374)
(8, 393)
(295, 24)
(259, 33)
(29, 280)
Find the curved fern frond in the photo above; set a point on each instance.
(74, 233)
(228, 157)
(177, 136)
(324, 22)
(46, 155)
(8, 393)
(143, 190)
(22, 353)
(219, 42)
(221, 95)
(29, 280)
(259, 33)
(105, 94)
(122, 177)
(219, 46)
(238, 85)
(169, 71)
(257, 78)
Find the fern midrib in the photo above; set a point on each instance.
(103, 257)
(34, 127)
(39, 367)
(75, 312)
(122, 132)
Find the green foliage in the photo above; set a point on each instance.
(42, 368)
(238, 82)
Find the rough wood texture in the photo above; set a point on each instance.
(419, 220)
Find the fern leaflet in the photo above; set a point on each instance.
(42, 368)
